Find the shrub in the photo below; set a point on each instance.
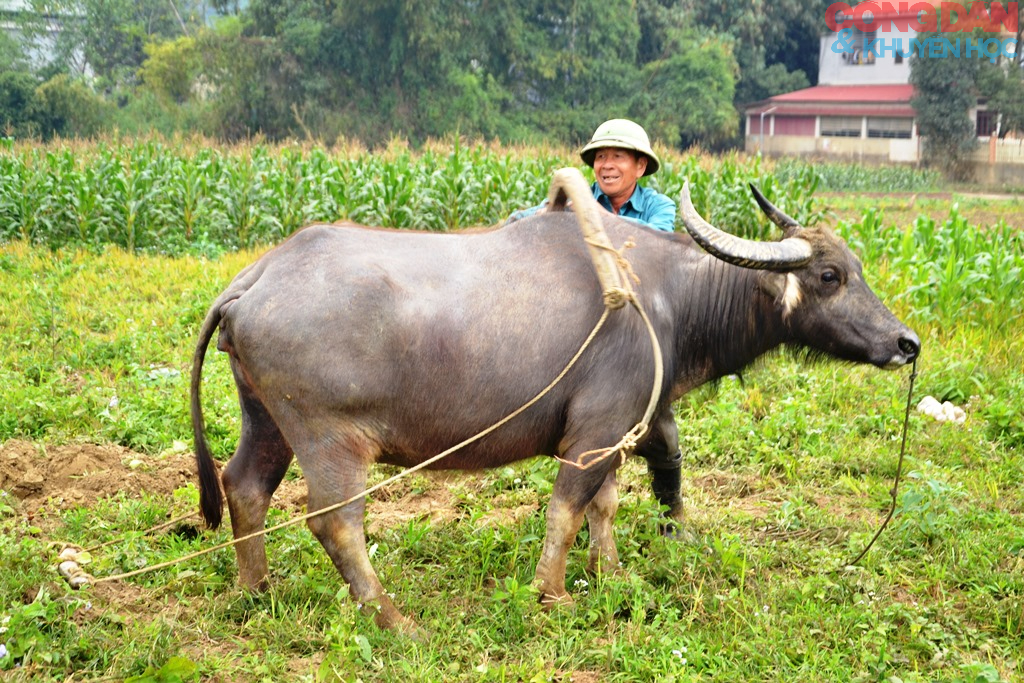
(68, 108)
(19, 105)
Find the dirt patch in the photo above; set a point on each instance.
(726, 485)
(433, 505)
(79, 474)
(580, 677)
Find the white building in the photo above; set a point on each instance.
(860, 108)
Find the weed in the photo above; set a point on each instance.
(786, 474)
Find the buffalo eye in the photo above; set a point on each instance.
(829, 277)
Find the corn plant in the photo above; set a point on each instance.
(941, 271)
(179, 196)
(852, 177)
(721, 194)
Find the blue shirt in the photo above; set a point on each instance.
(645, 205)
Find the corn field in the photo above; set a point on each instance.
(189, 197)
(186, 197)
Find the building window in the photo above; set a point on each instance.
(858, 52)
(840, 126)
(987, 122)
(794, 125)
(890, 127)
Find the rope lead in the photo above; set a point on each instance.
(614, 273)
(896, 479)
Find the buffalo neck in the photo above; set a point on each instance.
(726, 322)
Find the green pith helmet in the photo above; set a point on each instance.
(624, 134)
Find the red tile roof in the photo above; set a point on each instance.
(848, 94)
(890, 100)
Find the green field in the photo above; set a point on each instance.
(110, 255)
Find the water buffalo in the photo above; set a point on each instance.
(351, 345)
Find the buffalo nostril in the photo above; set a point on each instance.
(911, 347)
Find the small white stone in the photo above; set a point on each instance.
(79, 581)
(68, 554)
(69, 568)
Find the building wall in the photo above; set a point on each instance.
(782, 125)
(851, 68)
(999, 175)
(850, 149)
(999, 151)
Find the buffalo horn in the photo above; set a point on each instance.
(774, 214)
(780, 256)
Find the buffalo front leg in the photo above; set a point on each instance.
(573, 491)
(664, 463)
(340, 532)
(601, 518)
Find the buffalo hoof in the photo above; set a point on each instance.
(387, 616)
(670, 528)
(255, 587)
(549, 601)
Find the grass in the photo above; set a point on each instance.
(786, 474)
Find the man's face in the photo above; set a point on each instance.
(617, 171)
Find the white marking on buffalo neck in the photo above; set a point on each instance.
(792, 295)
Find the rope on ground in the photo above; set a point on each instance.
(146, 532)
(403, 473)
(614, 273)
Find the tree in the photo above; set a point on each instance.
(947, 87)
(584, 65)
(687, 97)
(171, 68)
(373, 69)
(19, 106)
(1002, 84)
(110, 35)
(12, 55)
(1008, 100)
(767, 33)
(760, 83)
(69, 108)
(944, 92)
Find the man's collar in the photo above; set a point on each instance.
(633, 201)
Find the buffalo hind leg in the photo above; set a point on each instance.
(250, 479)
(573, 491)
(604, 557)
(341, 534)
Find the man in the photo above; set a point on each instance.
(620, 154)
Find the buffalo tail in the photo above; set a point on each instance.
(211, 499)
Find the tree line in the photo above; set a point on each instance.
(510, 70)
(371, 70)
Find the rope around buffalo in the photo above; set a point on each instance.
(615, 295)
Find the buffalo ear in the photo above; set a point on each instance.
(793, 231)
(772, 283)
